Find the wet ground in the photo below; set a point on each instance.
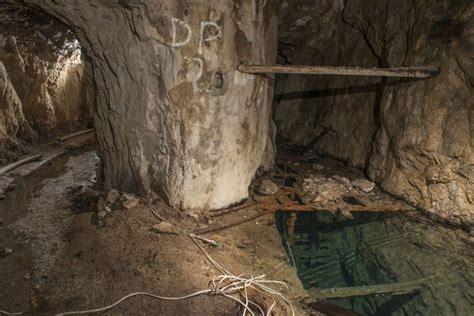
(63, 248)
(56, 258)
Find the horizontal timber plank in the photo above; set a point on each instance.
(370, 290)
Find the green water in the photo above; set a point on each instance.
(330, 251)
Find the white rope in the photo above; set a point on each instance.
(226, 284)
(166, 298)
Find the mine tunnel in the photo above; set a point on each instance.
(44, 81)
(236, 157)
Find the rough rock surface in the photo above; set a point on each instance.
(11, 112)
(172, 114)
(46, 68)
(363, 184)
(414, 138)
(266, 187)
(322, 190)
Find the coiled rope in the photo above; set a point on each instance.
(234, 287)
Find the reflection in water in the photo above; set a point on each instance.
(332, 251)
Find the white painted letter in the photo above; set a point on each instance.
(175, 23)
(212, 38)
(197, 74)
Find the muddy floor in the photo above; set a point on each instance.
(66, 245)
(57, 258)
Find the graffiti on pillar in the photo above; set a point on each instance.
(175, 24)
(200, 67)
(205, 36)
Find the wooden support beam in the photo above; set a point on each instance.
(73, 135)
(19, 163)
(403, 72)
(213, 229)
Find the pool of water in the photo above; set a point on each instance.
(332, 251)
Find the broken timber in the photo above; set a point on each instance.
(404, 72)
(213, 229)
(19, 163)
(369, 290)
(74, 135)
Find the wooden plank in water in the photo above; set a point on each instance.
(369, 290)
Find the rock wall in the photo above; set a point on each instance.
(45, 64)
(11, 112)
(414, 138)
(12, 120)
(173, 115)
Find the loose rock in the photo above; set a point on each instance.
(130, 202)
(165, 228)
(318, 167)
(101, 214)
(6, 252)
(343, 180)
(363, 184)
(112, 197)
(193, 215)
(321, 190)
(267, 187)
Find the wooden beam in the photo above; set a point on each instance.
(213, 229)
(73, 135)
(370, 290)
(404, 72)
(19, 163)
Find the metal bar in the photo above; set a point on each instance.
(404, 72)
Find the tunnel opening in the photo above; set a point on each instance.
(47, 100)
(46, 88)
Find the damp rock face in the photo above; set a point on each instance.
(413, 138)
(172, 113)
